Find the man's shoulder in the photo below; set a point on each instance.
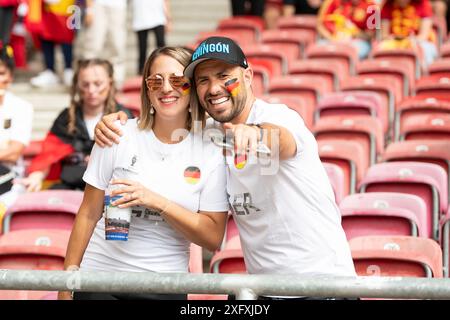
(266, 110)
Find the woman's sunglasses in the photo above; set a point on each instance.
(155, 83)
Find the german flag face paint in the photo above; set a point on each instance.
(192, 175)
(232, 86)
(240, 161)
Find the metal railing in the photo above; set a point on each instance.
(242, 286)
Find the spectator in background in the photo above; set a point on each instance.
(293, 7)
(54, 31)
(7, 9)
(346, 21)
(150, 16)
(67, 146)
(247, 7)
(106, 19)
(16, 116)
(408, 24)
(272, 11)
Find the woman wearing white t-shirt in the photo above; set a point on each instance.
(172, 178)
(150, 16)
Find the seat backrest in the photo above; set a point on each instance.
(426, 180)
(434, 86)
(408, 56)
(428, 127)
(337, 180)
(344, 53)
(402, 256)
(384, 213)
(44, 209)
(300, 38)
(297, 104)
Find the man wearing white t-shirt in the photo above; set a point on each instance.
(16, 117)
(283, 204)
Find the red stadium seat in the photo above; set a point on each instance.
(384, 213)
(440, 27)
(408, 56)
(386, 87)
(400, 71)
(130, 100)
(437, 152)
(345, 54)
(445, 242)
(440, 68)
(253, 23)
(426, 180)
(309, 87)
(353, 103)
(279, 53)
(304, 22)
(132, 84)
(229, 259)
(434, 86)
(49, 209)
(364, 130)
(445, 50)
(299, 38)
(297, 104)
(242, 37)
(347, 155)
(426, 127)
(396, 256)
(332, 72)
(37, 249)
(418, 106)
(337, 180)
(260, 83)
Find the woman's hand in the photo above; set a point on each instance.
(135, 194)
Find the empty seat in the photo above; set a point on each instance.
(440, 68)
(336, 177)
(353, 103)
(130, 100)
(437, 152)
(309, 87)
(229, 259)
(260, 83)
(242, 37)
(350, 156)
(332, 72)
(384, 213)
(418, 106)
(243, 23)
(434, 86)
(409, 56)
(297, 104)
(400, 71)
(426, 180)
(299, 38)
(274, 52)
(49, 209)
(396, 256)
(386, 87)
(428, 127)
(304, 22)
(37, 249)
(343, 53)
(364, 130)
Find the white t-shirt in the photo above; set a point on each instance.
(286, 214)
(91, 123)
(119, 4)
(153, 245)
(148, 14)
(16, 118)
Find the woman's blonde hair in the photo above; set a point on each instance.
(183, 56)
(75, 98)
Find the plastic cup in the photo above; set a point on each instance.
(117, 220)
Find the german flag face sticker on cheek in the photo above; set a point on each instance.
(232, 87)
(186, 88)
(192, 175)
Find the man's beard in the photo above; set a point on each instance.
(238, 103)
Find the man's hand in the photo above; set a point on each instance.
(106, 132)
(245, 137)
